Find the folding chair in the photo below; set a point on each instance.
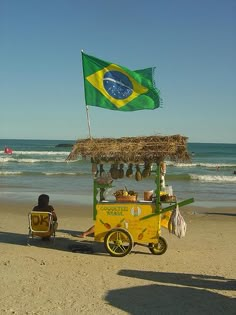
(41, 224)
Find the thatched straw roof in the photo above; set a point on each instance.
(132, 149)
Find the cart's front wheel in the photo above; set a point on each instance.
(118, 242)
(159, 248)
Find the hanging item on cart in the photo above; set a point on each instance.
(177, 225)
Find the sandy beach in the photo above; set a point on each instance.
(196, 275)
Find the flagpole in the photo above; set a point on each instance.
(88, 120)
(87, 110)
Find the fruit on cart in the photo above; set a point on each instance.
(121, 192)
(138, 175)
(147, 169)
(118, 193)
(121, 171)
(114, 171)
(129, 171)
(124, 193)
(163, 193)
(165, 197)
(132, 193)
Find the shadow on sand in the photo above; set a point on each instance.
(174, 293)
(222, 213)
(65, 240)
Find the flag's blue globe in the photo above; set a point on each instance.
(117, 84)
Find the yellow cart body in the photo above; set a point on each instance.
(129, 216)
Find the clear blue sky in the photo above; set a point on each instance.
(191, 43)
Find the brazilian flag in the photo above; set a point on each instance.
(111, 86)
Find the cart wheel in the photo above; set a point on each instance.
(159, 248)
(118, 242)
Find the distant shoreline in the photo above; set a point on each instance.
(75, 140)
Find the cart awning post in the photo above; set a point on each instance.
(102, 190)
(157, 191)
(95, 192)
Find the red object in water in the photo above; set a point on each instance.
(8, 150)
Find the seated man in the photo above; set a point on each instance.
(43, 205)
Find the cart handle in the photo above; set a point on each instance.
(180, 204)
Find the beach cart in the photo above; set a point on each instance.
(129, 219)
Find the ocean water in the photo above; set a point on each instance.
(39, 166)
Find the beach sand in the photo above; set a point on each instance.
(196, 275)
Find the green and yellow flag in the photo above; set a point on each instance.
(111, 86)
